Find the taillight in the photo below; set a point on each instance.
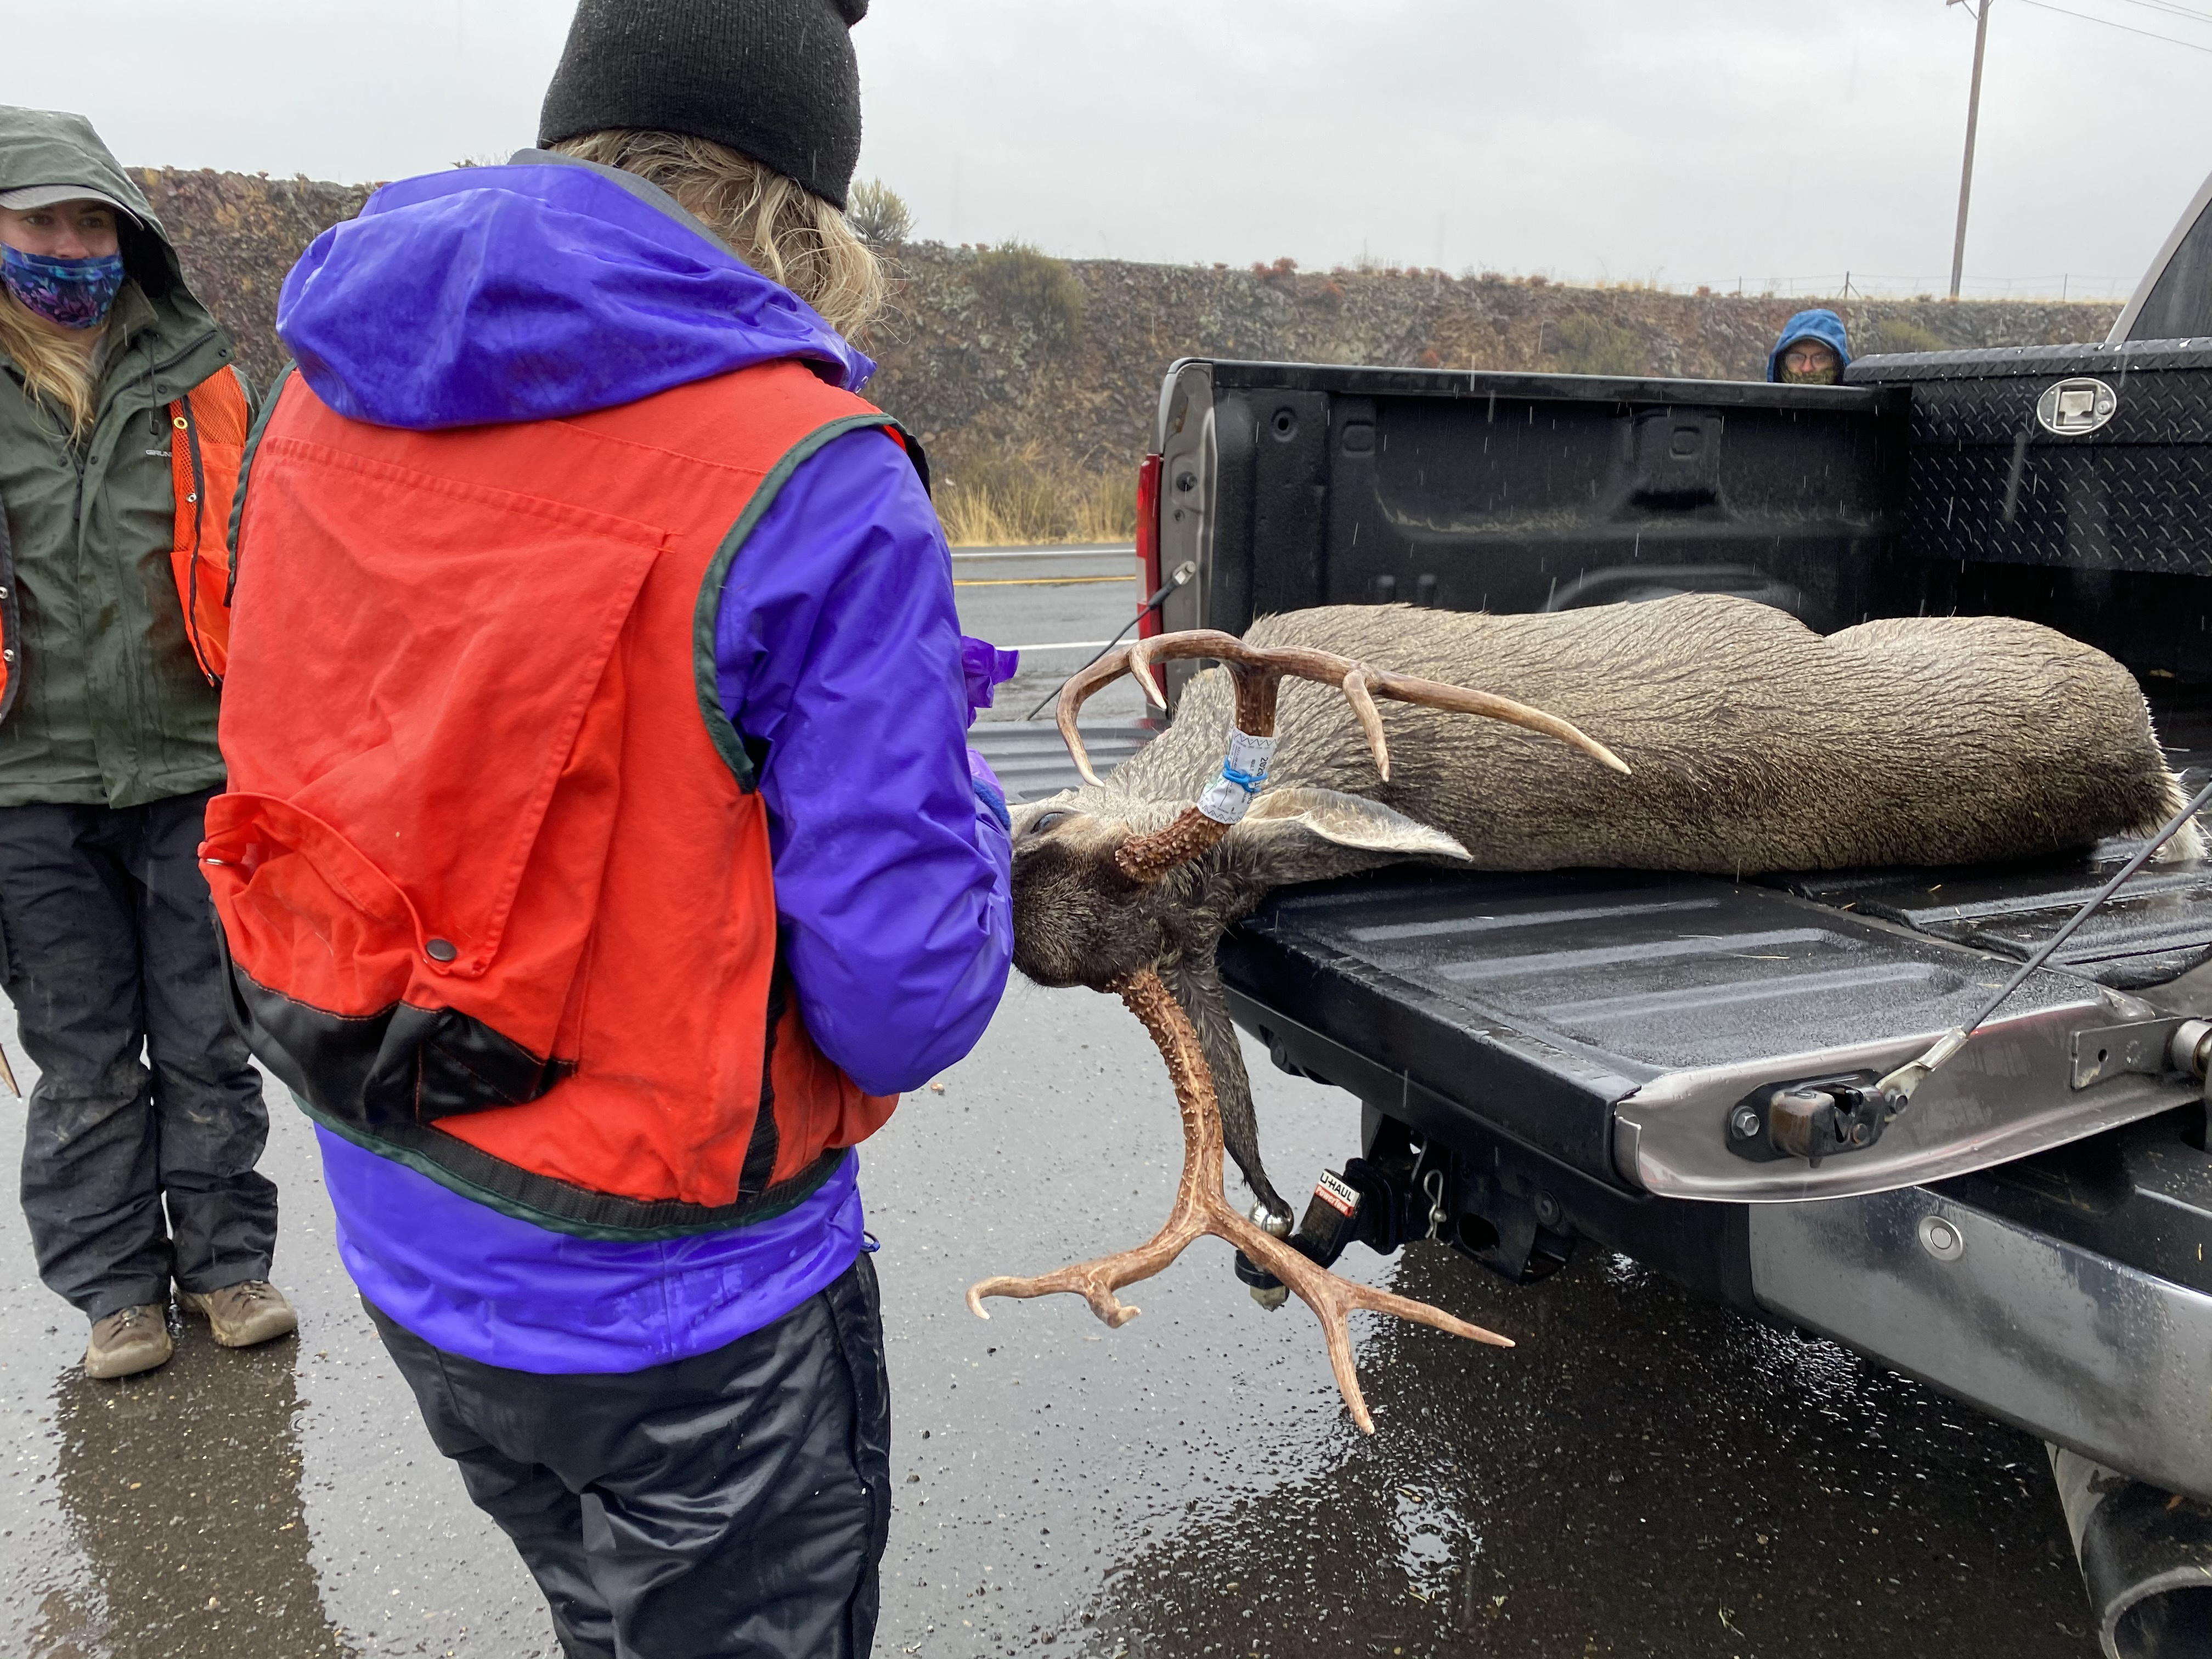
(1148, 544)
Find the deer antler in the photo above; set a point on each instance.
(1258, 672)
(1201, 1207)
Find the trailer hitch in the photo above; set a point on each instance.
(1332, 1221)
(1818, 1117)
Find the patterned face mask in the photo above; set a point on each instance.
(74, 293)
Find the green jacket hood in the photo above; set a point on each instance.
(54, 147)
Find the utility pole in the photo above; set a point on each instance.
(1973, 117)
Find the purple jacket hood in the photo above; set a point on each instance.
(543, 289)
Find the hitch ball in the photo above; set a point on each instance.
(2190, 1048)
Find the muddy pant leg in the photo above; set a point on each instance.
(211, 1122)
(732, 1506)
(91, 1193)
(542, 1518)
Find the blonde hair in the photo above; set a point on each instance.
(56, 371)
(775, 224)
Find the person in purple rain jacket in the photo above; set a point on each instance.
(684, 1428)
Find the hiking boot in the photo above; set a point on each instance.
(128, 1341)
(241, 1315)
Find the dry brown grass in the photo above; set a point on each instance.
(1018, 498)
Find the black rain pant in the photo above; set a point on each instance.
(146, 1094)
(731, 1506)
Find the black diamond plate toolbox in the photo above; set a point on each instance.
(2088, 456)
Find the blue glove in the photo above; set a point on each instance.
(988, 790)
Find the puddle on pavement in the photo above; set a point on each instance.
(180, 1492)
(1688, 1482)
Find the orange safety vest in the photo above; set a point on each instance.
(207, 431)
(207, 445)
(494, 881)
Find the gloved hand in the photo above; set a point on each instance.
(985, 667)
(988, 790)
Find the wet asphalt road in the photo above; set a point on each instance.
(1072, 600)
(1644, 1474)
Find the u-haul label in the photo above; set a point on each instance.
(1332, 1191)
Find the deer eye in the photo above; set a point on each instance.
(1045, 822)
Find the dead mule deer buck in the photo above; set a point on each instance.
(1757, 745)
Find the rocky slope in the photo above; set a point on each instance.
(987, 354)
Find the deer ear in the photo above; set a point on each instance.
(1309, 835)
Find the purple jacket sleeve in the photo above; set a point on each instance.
(837, 654)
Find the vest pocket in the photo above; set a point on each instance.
(323, 951)
(424, 723)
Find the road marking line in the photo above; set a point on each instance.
(1033, 582)
(1079, 550)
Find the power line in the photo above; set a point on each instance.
(2044, 5)
(2173, 10)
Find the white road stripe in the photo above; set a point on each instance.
(1124, 551)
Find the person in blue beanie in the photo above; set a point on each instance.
(1812, 350)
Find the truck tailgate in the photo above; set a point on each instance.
(1615, 1020)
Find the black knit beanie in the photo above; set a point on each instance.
(775, 79)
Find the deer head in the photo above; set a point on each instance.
(1107, 886)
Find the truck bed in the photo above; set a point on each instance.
(1614, 1019)
(1611, 1020)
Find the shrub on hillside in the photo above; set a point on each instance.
(1587, 345)
(877, 214)
(1900, 334)
(1027, 287)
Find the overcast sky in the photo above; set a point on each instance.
(1697, 141)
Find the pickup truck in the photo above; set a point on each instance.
(1587, 1055)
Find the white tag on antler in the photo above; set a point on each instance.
(1243, 775)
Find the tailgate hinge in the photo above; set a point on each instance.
(2152, 1047)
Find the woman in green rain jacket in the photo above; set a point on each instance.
(119, 414)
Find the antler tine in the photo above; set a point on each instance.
(1358, 680)
(1434, 693)
(1077, 691)
(1201, 1207)
(1140, 670)
(1136, 661)
(1370, 718)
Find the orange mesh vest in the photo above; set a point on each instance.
(207, 433)
(492, 877)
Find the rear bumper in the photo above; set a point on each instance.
(2041, 1316)
(2069, 1345)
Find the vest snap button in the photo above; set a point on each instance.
(440, 949)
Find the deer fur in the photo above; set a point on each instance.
(1754, 745)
